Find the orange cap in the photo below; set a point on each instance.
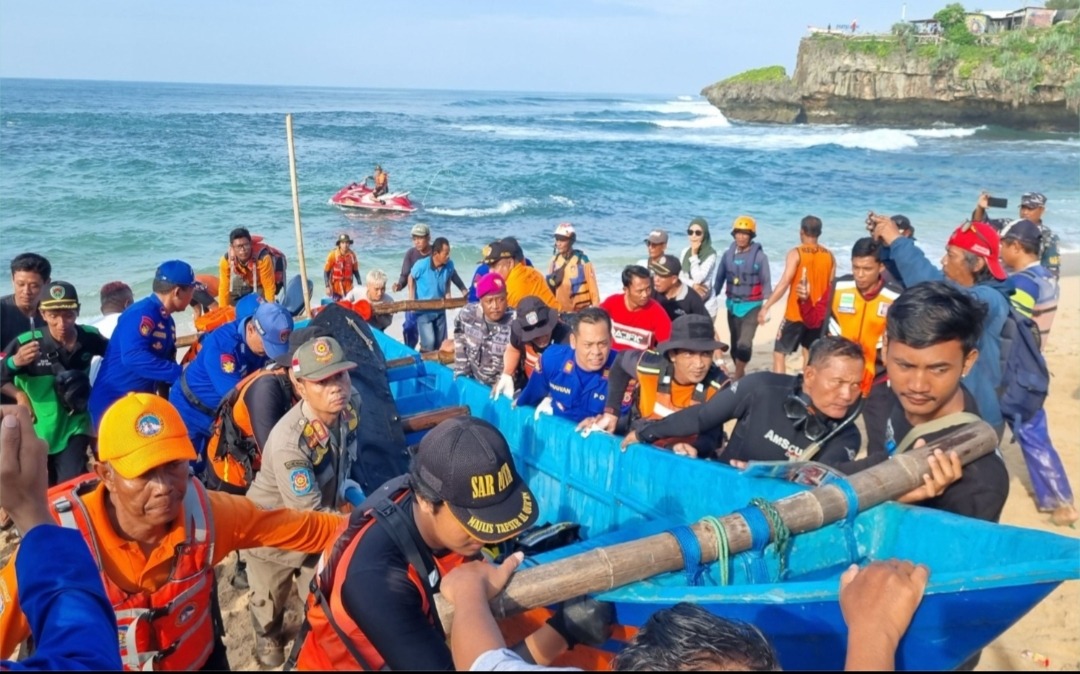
(140, 432)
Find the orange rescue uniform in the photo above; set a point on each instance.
(235, 523)
(523, 281)
(819, 265)
(341, 268)
(862, 320)
(259, 268)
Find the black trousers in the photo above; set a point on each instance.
(71, 461)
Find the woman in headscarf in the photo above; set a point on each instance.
(699, 262)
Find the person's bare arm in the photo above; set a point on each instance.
(469, 588)
(412, 288)
(791, 265)
(878, 603)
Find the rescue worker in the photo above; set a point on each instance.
(535, 327)
(680, 373)
(156, 535)
(860, 303)
(744, 269)
(482, 332)
(378, 583)
(244, 270)
(382, 182)
(566, 270)
(809, 271)
(638, 321)
(1032, 208)
(506, 258)
(340, 269)
(54, 385)
(780, 417)
(571, 381)
(142, 352)
(676, 297)
(227, 355)
(305, 466)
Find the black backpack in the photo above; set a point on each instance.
(1025, 379)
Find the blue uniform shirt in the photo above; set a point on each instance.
(141, 353)
(575, 393)
(224, 359)
(431, 283)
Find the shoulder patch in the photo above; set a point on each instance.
(568, 366)
(301, 481)
(146, 326)
(228, 363)
(296, 463)
(883, 309)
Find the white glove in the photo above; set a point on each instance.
(343, 491)
(543, 408)
(505, 386)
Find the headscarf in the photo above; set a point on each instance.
(706, 244)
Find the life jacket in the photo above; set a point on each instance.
(381, 179)
(653, 397)
(744, 281)
(1045, 305)
(172, 628)
(234, 456)
(817, 263)
(862, 321)
(249, 272)
(573, 282)
(532, 359)
(330, 639)
(342, 269)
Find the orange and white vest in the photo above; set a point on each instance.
(656, 398)
(172, 628)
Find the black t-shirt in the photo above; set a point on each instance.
(267, 400)
(387, 607)
(981, 492)
(560, 335)
(763, 431)
(13, 323)
(691, 304)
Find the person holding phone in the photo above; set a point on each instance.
(1032, 207)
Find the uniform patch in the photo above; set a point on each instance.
(568, 367)
(157, 345)
(146, 326)
(883, 309)
(847, 303)
(321, 350)
(228, 363)
(185, 614)
(354, 418)
(295, 463)
(302, 481)
(285, 336)
(149, 425)
(57, 292)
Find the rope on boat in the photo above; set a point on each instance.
(722, 547)
(781, 533)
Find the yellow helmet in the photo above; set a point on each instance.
(744, 223)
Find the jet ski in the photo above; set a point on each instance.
(359, 196)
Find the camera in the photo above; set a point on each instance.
(997, 202)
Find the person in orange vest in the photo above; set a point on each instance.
(506, 258)
(340, 269)
(535, 327)
(382, 181)
(243, 270)
(373, 602)
(680, 373)
(860, 303)
(156, 535)
(811, 267)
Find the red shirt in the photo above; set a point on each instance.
(641, 329)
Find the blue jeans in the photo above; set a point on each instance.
(408, 330)
(432, 328)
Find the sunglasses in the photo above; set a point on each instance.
(970, 227)
(805, 419)
(695, 232)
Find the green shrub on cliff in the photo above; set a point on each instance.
(953, 21)
(758, 75)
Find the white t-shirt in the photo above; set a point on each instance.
(506, 660)
(105, 325)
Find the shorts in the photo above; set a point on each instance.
(793, 334)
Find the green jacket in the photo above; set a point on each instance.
(54, 424)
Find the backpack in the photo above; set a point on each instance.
(1025, 379)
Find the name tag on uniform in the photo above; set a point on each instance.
(847, 303)
(883, 309)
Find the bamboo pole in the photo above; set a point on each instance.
(418, 305)
(296, 216)
(441, 357)
(609, 567)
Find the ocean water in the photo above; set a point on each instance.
(108, 179)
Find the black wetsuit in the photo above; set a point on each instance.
(981, 492)
(763, 431)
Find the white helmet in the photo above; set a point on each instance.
(565, 229)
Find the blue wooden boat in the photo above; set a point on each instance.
(984, 577)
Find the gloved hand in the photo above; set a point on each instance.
(584, 620)
(543, 408)
(343, 490)
(505, 386)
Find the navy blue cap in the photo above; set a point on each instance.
(274, 324)
(176, 272)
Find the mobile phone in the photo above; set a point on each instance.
(997, 202)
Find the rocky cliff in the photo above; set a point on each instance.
(839, 81)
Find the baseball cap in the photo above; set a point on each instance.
(511, 245)
(319, 358)
(1033, 199)
(656, 236)
(534, 319)
(467, 463)
(140, 432)
(420, 229)
(344, 237)
(668, 265)
(59, 295)
(1023, 230)
(982, 240)
(296, 339)
(489, 284)
(274, 325)
(495, 251)
(176, 272)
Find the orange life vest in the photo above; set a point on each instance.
(172, 628)
(332, 640)
(234, 456)
(249, 272)
(532, 359)
(341, 270)
(381, 178)
(818, 264)
(863, 322)
(659, 396)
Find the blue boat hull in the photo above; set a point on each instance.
(984, 577)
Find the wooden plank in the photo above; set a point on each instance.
(427, 420)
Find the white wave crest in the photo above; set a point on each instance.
(503, 208)
(945, 133)
(681, 106)
(717, 121)
(561, 200)
(687, 98)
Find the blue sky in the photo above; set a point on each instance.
(618, 46)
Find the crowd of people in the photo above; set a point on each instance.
(254, 442)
